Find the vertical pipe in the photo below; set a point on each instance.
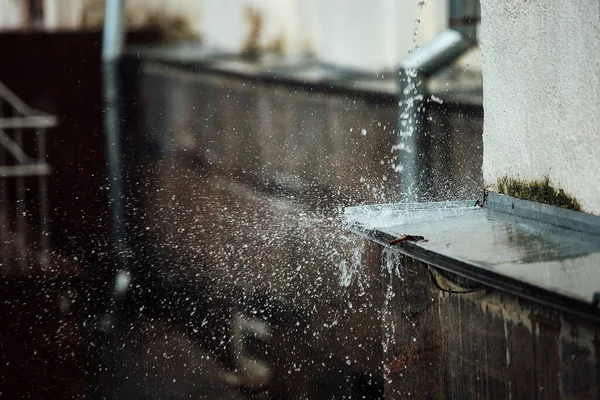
(411, 125)
(43, 256)
(112, 47)
(4, 228)
(413, 74)
(20, 211)
(464, 16)
(113, 35)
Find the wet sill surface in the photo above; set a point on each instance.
(531, 250)
(450, 86)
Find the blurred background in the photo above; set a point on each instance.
(169, 208)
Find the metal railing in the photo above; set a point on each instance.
(24, 228)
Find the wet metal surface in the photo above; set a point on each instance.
(523, 248)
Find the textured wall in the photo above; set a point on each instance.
(542, 93)
(371, 35)
(376, 34)
(368, 35)
(12, 15)
(482, 345)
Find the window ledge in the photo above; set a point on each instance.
(531, 250)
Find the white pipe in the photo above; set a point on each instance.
(113, 35)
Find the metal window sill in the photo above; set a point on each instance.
(546, 254)
(303, 71)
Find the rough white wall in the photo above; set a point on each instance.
(224, 24)
(356, 34)
(228, 24)
(12, 14)
(368, 35)
(541, 70)
(63, 14)
(371, 35)
(376, 34)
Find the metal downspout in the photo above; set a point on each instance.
(112, 49)
(413, 73)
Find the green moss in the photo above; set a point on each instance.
(538, 191)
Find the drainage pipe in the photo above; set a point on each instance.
(414, 70)
(112, 48)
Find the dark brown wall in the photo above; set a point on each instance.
(484, 345)
(240, 180)
(44, 353)
(242, 187)
(60, 73)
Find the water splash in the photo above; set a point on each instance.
(390, 269)
(416, 30)
(411, 110)
(350, 269)
(246, 239)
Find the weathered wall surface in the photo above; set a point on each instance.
(40, 329)
(481, 345)
(371, 36)
(542, 94)
(375, 35)
(237, 183)
(250, 198)
(12, 14)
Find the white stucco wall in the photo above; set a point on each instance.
(367, 35)
(63, 14)
(541, 70)
(226, 24)
(370, 35)
(376, 34)
(12, 14)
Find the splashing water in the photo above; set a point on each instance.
(416, 30)
(410, 108)
(259, 242)
(390, 267)
(351, 269)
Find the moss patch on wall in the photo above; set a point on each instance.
(538, 191)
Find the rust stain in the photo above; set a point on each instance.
(504, 308)
(173, 26)
(405, 238)
(414, 352)
(277, 45)
(251, 47)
